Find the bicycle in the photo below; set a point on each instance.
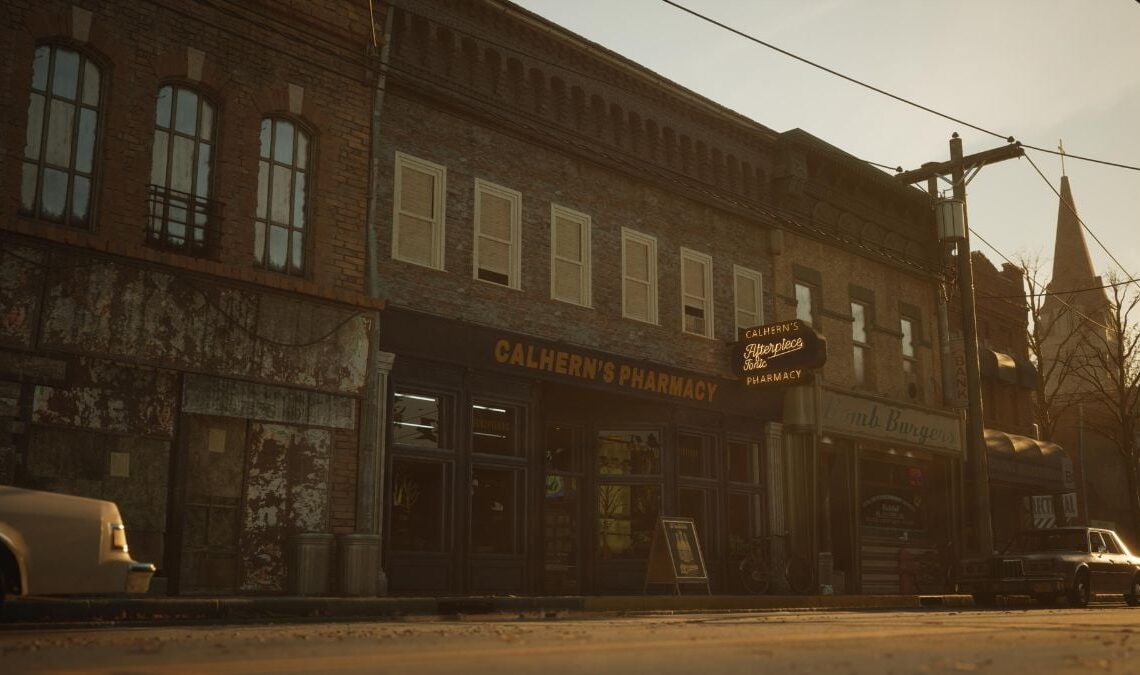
(756, 568)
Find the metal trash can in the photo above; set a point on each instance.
(359, 556)
(310, 564)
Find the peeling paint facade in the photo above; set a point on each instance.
(217, 396)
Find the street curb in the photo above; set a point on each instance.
(48, 611)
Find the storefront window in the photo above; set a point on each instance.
(493, 429)
(700, 505)
(743, 515)
(494, 511)
(627, 515)
(419, 505)
(744, 462)
(626, 453)
(695, 456)
(559, 453)
(416, 420)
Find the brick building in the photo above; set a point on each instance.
(1033, 481)
(575, 244)
(183, 323)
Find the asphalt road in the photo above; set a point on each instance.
(1012, 640)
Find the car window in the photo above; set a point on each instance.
(1119, 543)
(1097, 542)
(1110, 542)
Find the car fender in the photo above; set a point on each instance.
(14, 542)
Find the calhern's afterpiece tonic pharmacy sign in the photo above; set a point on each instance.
(779, 353)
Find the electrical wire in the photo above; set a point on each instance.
(1041, 292)
(1073, 211)
(593, 78)
(1054, 293)
(1007, 137)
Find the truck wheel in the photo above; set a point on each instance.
(1081, 593)
(1132, 597)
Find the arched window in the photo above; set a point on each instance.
(181, 215)
(62, 130)
(279, 230)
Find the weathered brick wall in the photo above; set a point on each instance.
(252, 53)
(342, 481)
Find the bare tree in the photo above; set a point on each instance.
(1054, 346)
(1108, 369)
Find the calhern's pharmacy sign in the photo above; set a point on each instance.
(778, 353)
(880, 420)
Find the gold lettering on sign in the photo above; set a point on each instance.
(596, 369)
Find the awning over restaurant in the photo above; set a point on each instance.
(1008, 369)
(1025, 461)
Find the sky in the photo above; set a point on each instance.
(1041, 71)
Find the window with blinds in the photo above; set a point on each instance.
(746, 291)
(417, 230)
(569, 256)
(639, 276)
(696, 293)
(498, 211)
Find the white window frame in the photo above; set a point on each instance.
(438, 207)
(706, 260)
(514, 262)
(757, 280)
(811, 301)
(586, 223)
(628, 235)
(909, 361)
(861, 348)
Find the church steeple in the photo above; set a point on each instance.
(1072, 265)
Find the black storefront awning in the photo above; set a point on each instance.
(1025, 461)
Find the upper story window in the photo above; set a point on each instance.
(181, 166)
(569, 256)
(62, 134)
(498, 216)
(860, 341)
(746, 289)
(906, 327)
(696, 293)
(639, 276)
(805, 303)
(282, 197)
(418, 219)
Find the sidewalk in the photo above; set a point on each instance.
(150, 609)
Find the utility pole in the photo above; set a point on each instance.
(957, 168)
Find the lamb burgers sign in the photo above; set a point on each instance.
(778, 353)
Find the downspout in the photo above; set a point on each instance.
(372, 227)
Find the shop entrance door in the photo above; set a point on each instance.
(215, 459)
(561, 511)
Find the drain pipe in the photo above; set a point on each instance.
(372, 227)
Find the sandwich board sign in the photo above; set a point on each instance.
(675, 556)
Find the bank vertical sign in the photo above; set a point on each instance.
(778, 353)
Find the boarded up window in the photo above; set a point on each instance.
(417, 233)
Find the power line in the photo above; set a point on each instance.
(1034, 285)
(900, 99)
(1073, 210)
(1053, 293)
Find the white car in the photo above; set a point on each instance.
(55, 544)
